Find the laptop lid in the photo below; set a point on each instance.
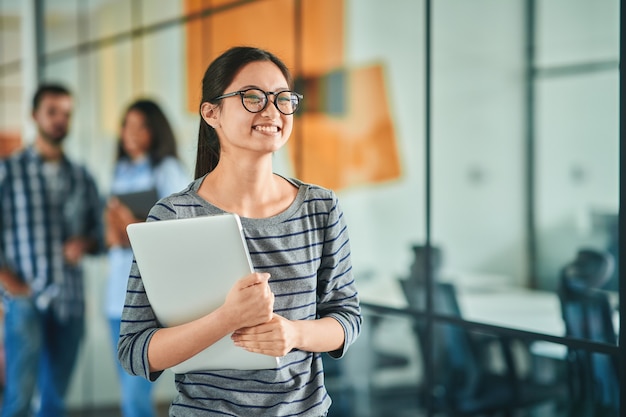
(188, 266)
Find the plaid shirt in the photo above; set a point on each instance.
(39, 212)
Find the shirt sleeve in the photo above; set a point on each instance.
(170, 177)
(94, 226)
(139, 322)
(337, 293)
(137, 328)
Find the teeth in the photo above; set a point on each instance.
(269, 129)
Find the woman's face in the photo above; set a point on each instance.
(263, 132)
(136, 137)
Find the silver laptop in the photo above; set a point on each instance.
(188, 266)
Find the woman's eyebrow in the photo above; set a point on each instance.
(246, 87)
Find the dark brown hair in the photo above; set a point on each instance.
(217, 77)
(49, 89)
(162, 140)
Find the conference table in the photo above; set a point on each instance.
(519, 308)
(507, 306)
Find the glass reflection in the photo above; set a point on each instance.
(473, 372)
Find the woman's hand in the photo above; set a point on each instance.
(12, 285)
(250, 301)
(117, 218)
(280, 336)
(276, 337)
(74, 249)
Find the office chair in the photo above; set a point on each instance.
(465, 382)
(587, 314)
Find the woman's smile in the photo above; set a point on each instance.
(267, 128)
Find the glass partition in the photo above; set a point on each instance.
(475, 372)
(62, 25)
(577, 136)
(11, 78)
(576, 162)
(159, 11)
(479, 200)
(525, 154)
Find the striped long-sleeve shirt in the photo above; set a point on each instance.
(306, 250)
(42, 205)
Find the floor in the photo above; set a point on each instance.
(112, 412)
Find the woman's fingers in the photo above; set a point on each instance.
(254, 279)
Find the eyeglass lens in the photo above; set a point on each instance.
(255, 101)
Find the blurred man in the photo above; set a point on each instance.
(50, 216)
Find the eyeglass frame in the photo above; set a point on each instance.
(267, 99)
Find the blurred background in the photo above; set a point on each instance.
(474, 146)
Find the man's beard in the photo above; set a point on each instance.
(53, 138)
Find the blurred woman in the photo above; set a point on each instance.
(146, 164)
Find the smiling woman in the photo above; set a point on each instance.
(300, 302)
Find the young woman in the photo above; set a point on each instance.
(146, 160)
(302, 300)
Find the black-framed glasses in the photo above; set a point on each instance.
(255, 100)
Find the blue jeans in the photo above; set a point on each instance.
(136, 390)
(40, 353)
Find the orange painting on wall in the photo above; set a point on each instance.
(344, 135)
(9, 143)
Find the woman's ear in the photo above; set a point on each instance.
(210, 113)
